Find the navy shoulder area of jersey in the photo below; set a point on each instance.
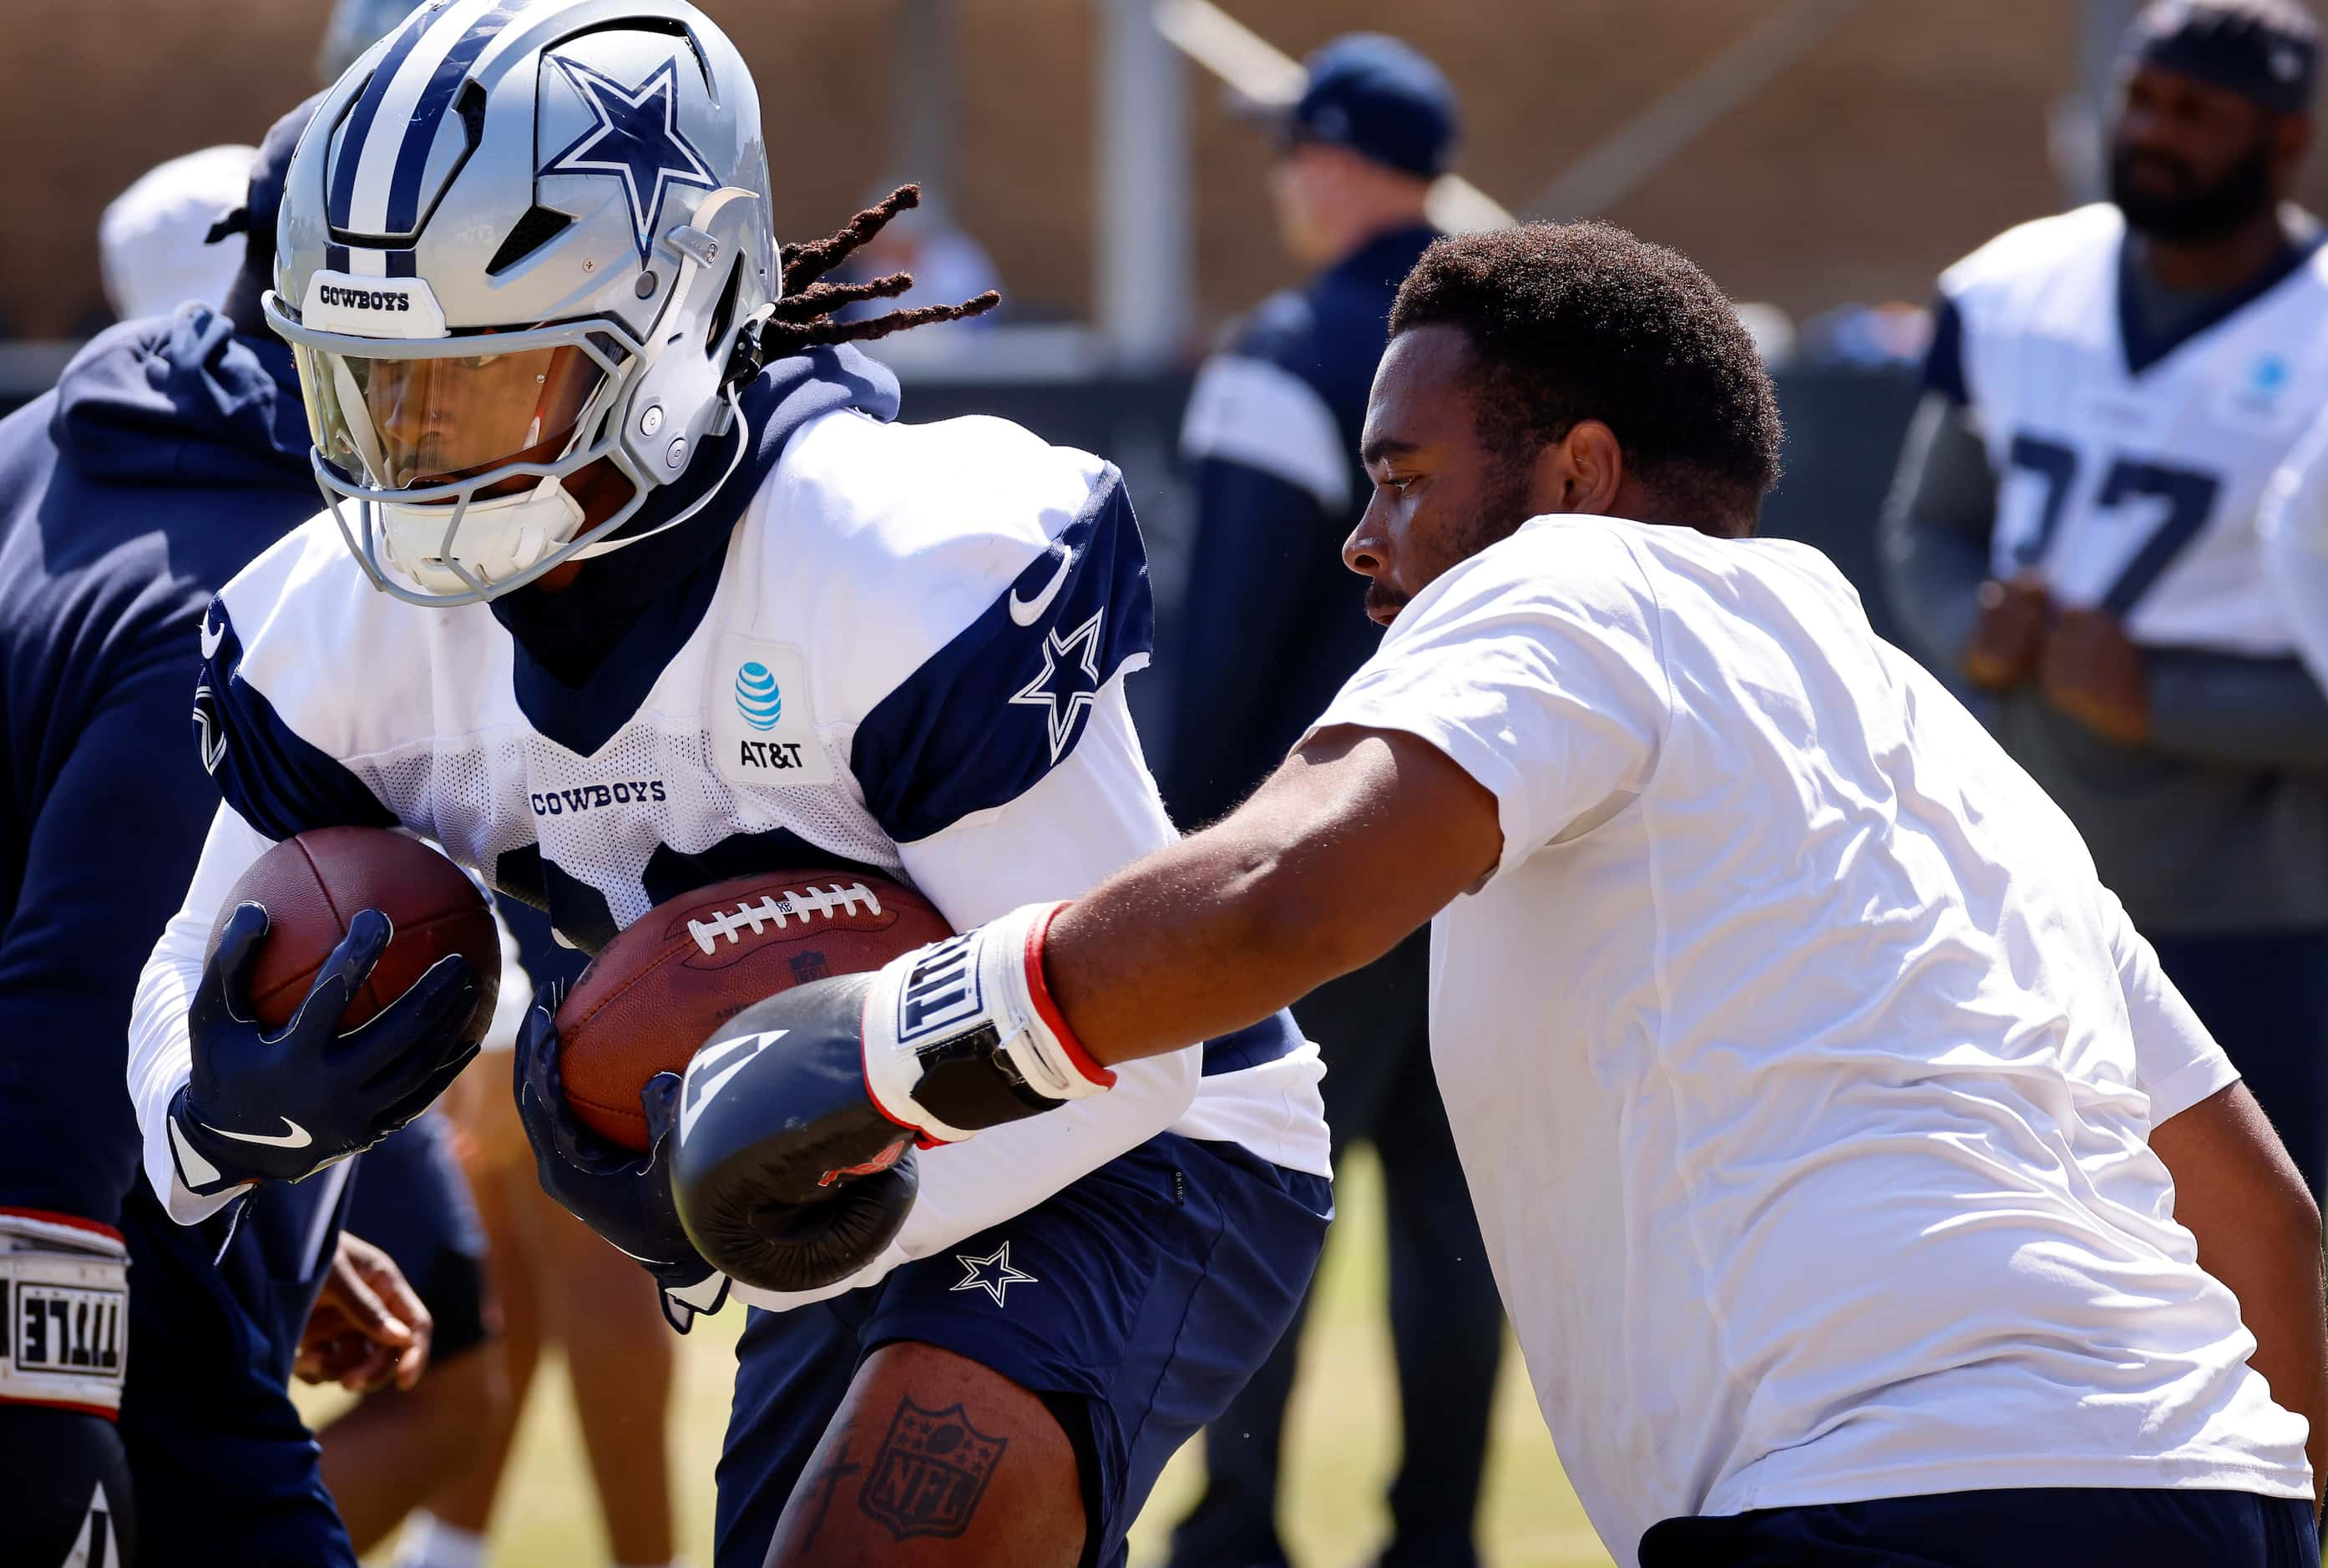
(919, 572)
(305, 667)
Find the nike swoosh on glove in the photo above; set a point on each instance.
(793, 1166)
(624, 1197)
(279, 1107)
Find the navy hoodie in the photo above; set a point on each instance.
(171, 451)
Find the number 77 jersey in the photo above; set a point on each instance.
(2131, 461)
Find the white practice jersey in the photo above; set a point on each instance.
(2294, 523)
(2131, 469)
(1802, 1070)
(910, 658)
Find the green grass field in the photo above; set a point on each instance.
(1343, 1442)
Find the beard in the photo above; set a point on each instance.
(2193, 211)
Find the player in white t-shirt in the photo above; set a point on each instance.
(1845, 1163)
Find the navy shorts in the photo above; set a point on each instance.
(1140, 1298)
(412, 1201)
(2058, 1526)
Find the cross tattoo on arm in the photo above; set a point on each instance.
(824, 1482)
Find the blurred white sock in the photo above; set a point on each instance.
(674, 1562)
(428, 1541)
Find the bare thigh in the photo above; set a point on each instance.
(934, 1459)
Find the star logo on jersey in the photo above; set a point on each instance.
(636, 139)
(991, 1273)
(1069, 682)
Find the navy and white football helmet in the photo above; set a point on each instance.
(521, 238)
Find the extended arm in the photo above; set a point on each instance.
(1360, 838)
(791, 1156)
(1094, 812)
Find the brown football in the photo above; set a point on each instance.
(659, 991)
(310, 886)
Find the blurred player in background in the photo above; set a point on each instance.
(2073, 528)
(1272, 440)
(153, 243)
(548, 347)
(1847, 1163)
(173, 451)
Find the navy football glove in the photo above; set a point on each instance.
(624, 1197)
(280, 1107)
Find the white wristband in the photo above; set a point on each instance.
(939, 999)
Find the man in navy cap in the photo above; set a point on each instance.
(2074, 528)
(1272, 630)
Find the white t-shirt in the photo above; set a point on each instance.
(1803, 1072)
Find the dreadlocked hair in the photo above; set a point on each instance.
(802, 317)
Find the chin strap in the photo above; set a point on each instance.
(736, 422)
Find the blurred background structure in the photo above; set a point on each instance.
(1822, 159)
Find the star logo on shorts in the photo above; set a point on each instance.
(991, 1273)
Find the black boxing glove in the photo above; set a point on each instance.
(793, 1165)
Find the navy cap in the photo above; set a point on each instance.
(2266, 50)
(1382, 99)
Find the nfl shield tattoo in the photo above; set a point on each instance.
(929, 1473)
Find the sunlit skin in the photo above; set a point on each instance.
(427, 410)
(418, 424)
(2175, 136)
(1330, 202)
(1441, 494)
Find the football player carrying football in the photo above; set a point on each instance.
(527, 269)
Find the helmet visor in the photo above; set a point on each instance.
(402, 424)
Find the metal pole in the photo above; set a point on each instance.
(2080, 128)
(924, 120)
(1146, 246)
(1638, 149)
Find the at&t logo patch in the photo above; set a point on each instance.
(763, 723)
(758, 697)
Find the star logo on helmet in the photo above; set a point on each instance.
(636, 139)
